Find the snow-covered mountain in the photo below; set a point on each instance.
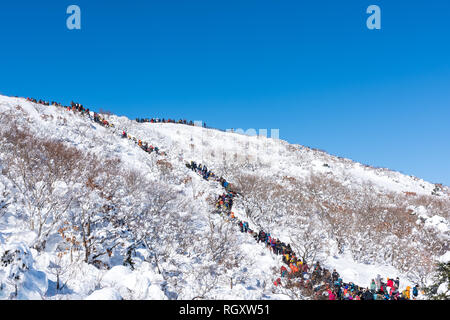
(86, 213)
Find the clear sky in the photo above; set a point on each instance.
(311, 69)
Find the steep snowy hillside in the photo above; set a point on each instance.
(92, 215)
(58, 268)
(337, 196)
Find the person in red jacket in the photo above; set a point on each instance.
(390, 283)
(277, 282)
(283, 271)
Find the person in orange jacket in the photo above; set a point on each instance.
(407, 292)
(291, 266)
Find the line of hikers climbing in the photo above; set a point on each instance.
(322, 284)
(158, 120)
(97, 118)
(314, 280)
(142, 144)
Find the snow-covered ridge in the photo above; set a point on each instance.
(213, 145)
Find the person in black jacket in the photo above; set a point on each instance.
(335, 275)
(367, 295)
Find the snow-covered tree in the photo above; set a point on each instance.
(18, 278)
(440, 289)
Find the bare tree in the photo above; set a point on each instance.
(308, 245)
(61, 268)
(40, 169)
(206, 279)
(96, 222)
(157, 223)
(165, 168)
(221, 251)
(5, 200)
(221, 243)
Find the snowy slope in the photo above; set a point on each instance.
(144, 282)
(279, 156)
(261, 156)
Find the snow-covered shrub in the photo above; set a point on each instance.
(18, 278)
(41, 170)
(440, 288)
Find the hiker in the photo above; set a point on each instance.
(415, 291)
(397, 282)
(277, 282)
(293, 268)
(286, 258)
(305, 267)
(367, 295)
(378, 281)
(334, 275)
(267, 239)
(278, 247)
(331, 295)
(390, 283)
(383, 287)
(406, 293)
(284, 271)
(373, 286)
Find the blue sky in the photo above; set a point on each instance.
(308, 68)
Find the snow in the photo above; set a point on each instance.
(445, 258)
(104, 294)
(437, 222)
(155, 293)
(443, 288)
(253, 278)
(362, 274)
(125, 281)
(19, 271)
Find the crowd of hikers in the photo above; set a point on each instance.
(97, 118)
(322, 284)
(315, 280)
(74, 106)
(158, 120)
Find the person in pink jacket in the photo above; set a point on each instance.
(331, 295)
